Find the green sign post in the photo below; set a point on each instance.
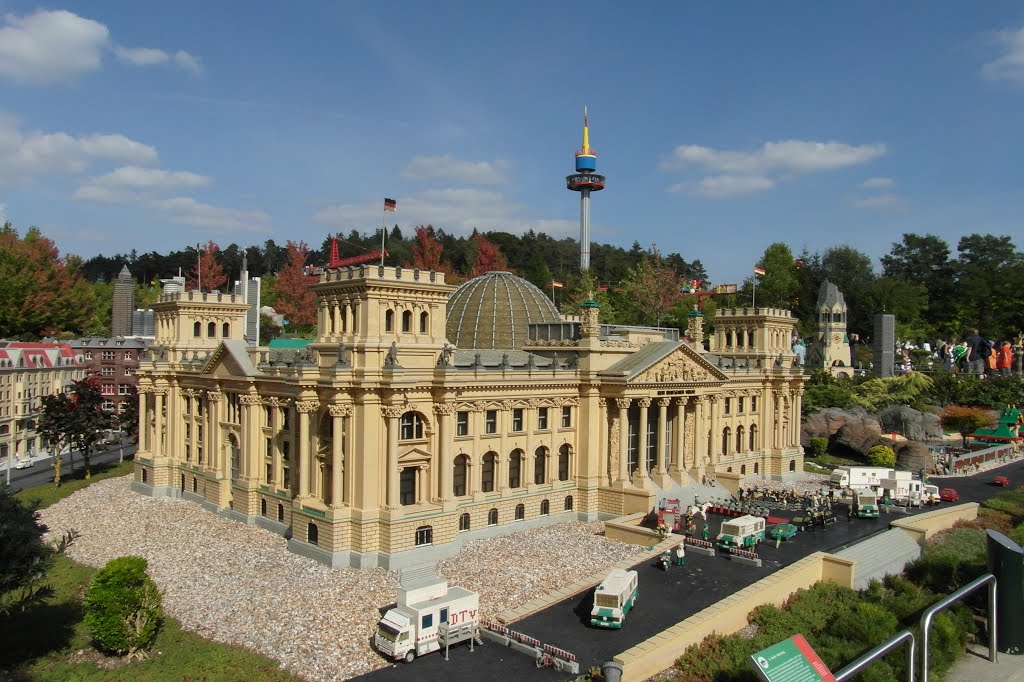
(792, 660)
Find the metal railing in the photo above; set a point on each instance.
(879, 651)
(926, 617)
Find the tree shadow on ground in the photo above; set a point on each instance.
(45, 629)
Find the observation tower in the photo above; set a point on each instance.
(585, 180)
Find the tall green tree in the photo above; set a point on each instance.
(73, 419)
(924, 260)
(990, 284)
(653, 288)
(779, 285)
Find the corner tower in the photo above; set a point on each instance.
(585, 180)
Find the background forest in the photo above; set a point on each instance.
(935, 290)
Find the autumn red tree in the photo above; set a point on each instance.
(488, 258)
(41, 293)
(426, 253)
(966, 420)
(295, 300)
(213, 275)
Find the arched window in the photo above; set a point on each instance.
(236, 455)
(520, 512)
(739, 438)
(263, 507)
(545, 508)
(540, 464)
(389, 320)
(743, 470)
(753, 436)
(463, 522)
(226, 330)
(5, 429)
(183, 483)
(312, 534)
(197, 329)
(563, 462)
(726, 440)
(407, 321)
(211, 330)
(515, 468)
(792, 465)
(280, 513)
(424, 535)
(568, 503)
(195, 485)
(492, 517)
(424, 323)
(487, 468)
(144, 476)
(459, 475)
(755, 467)
(411, 426)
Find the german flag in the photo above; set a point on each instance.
(758, 271)
(556, 284)
(390, 204)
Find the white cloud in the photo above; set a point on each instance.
(3, 214)
(141, 56)
(887, 200)
(50, 46)
(454, 170)
(877, 183)
(455, 210)
(719, 186)
(188, 62)
(146, 56)
(797, 156)
(128, 184)
(188, 211)
(1010, 65)
(24, 155)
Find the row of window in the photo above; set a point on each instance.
(740, 404)
(211, 330)
(389, 321)
(122, 389)
(110, 371)
(111, 355)
(411, 423)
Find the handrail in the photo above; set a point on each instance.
(879, 651)
(926, 617)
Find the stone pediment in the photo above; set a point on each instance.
(231, 359)
(666, 362)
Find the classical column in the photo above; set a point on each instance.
(642, 471)
(213, 401)
(444, 412)
(798, 406)
(392, 414)
(623, 405)
(158, 440)
(305, 460)
(715, 439)
(662, 420)
(144, 435)
(602, 431)
(339, 413)
(250, 445)
(777, 430)
(680, 435)
(700, 440)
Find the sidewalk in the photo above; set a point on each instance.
(974, 666)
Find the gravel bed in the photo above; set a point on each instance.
(238, 584)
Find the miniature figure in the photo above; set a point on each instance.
(681, 554)
(665, 559)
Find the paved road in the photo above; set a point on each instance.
(665, 598)
(41, 470)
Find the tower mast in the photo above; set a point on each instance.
(585, 180)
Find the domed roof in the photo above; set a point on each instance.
(493, 311)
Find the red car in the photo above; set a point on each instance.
(1001, 480)
(949, 495)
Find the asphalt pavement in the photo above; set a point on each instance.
(41, 469)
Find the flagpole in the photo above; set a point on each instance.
(199, 267)
(753, 296)
(383, 219)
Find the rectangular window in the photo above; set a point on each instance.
(753, 403)
(492, 421)
(728, 405)
(517, 419)
(428, 620)
(444, 615)
(128, 371)
(108, 355)
(107, 371)
(739, 406)
(542, 419)
(462, 423)
(566, 416)
(124, 389)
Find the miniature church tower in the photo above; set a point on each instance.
(830, 349)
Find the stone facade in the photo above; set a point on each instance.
(383, 445)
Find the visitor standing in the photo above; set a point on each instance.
(977, 350)
(1003, 358)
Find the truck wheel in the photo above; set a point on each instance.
(410, 656)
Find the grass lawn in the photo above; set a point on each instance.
(48, 494)
(51, 642)
(835, 460)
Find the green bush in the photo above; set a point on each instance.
(819, 446)
(1010, 502)
(956, 558)
(122, 607)
(881, 456)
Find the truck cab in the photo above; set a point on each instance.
(864, 504)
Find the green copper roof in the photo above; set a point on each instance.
(289, 343)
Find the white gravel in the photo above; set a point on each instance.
(238, 584)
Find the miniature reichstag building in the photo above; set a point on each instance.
(423, 415)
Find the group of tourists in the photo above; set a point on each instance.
(976, 355)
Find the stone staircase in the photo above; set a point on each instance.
(881, 555)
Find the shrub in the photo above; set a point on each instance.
(953, 559)
(122, 607)
(881, 456)
(819, 446)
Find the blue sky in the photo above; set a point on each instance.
(722, 127)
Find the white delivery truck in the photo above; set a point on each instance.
(743, 532)
(902, 488)
(614, 598)
(429, 615)
(859, 477)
